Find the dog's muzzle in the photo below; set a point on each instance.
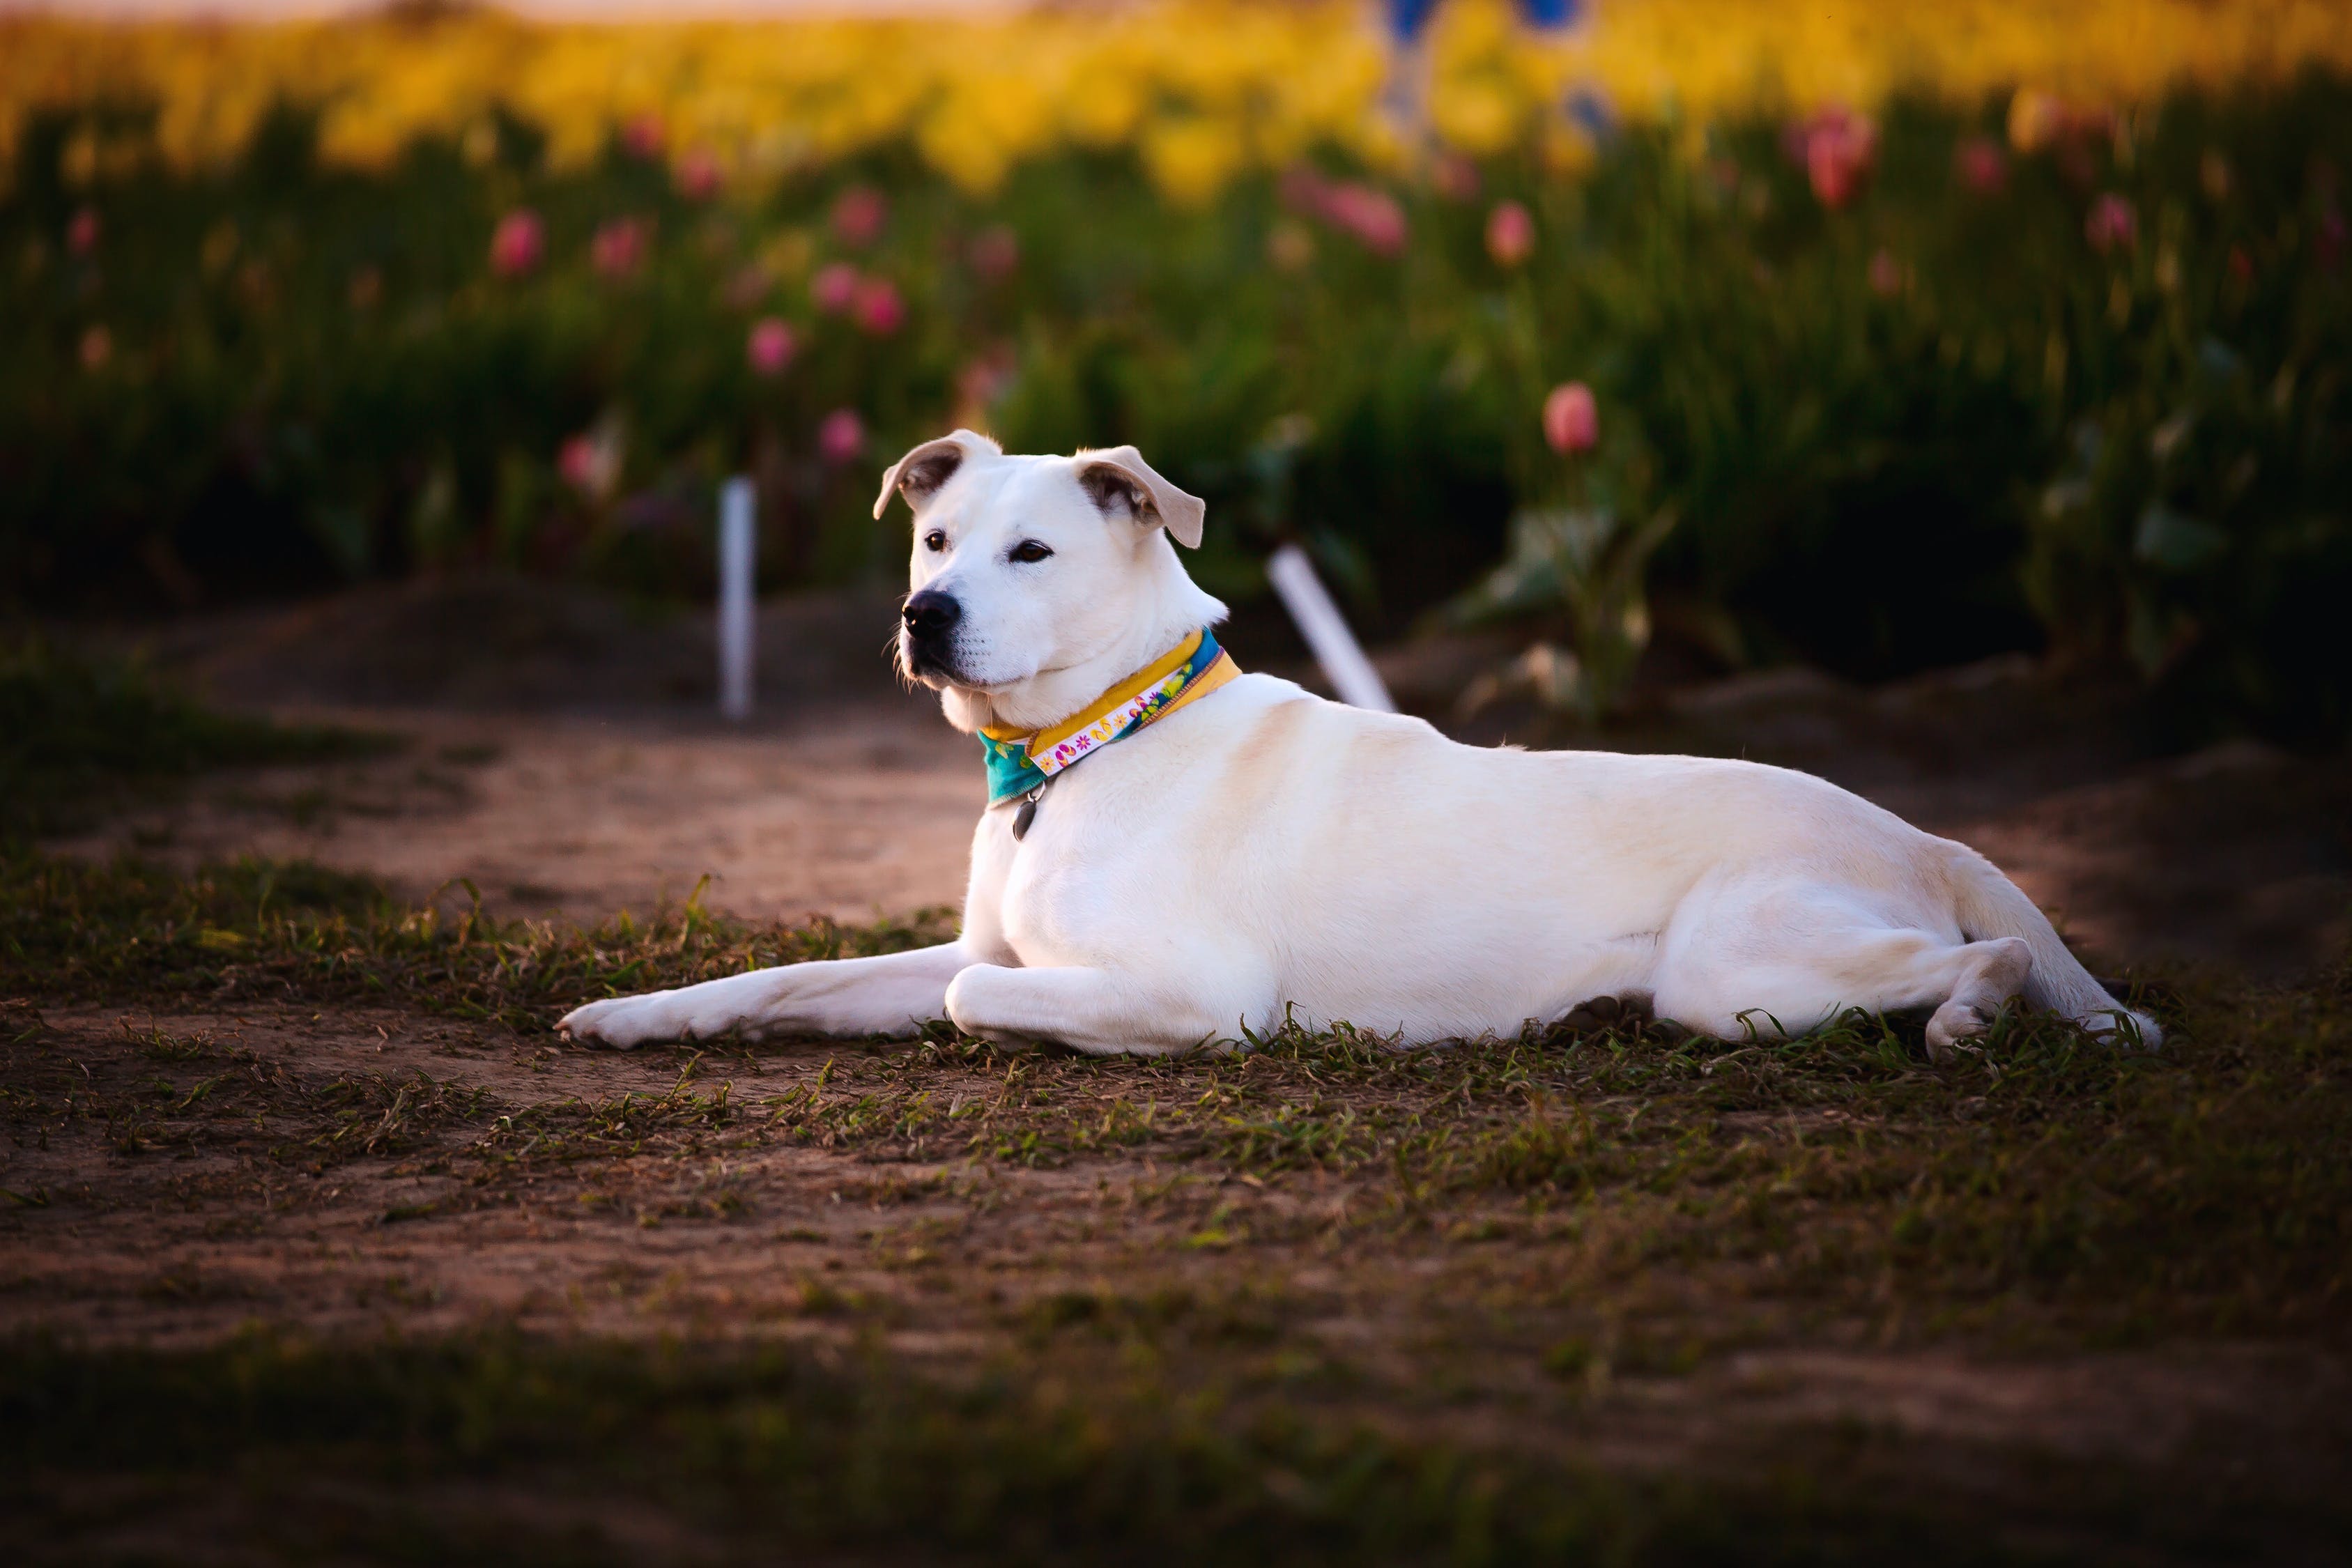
(930, 619)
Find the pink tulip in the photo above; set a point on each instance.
(858, 216)
(644, 136)
(1885, 274)
(1983, 168)
(96, 348)
(577, 463)
(518, 242)
(82, 231)
(620, 246)
(1837, 148)
(834, 287)
(1510, 234)
(1454, 177)
(841, 436)
(770, 346)
(995, 251)
(2112, 224)
(1368, 213)
(1571, 418)
(878, 309)
(589, 463)
(697, 175)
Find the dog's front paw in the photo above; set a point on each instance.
(621, 1022)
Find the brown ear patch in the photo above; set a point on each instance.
(1118, 476)
(1113, 489)
(919, 474)
(924, 475)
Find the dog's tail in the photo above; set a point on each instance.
(1989, 905)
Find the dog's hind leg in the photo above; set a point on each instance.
(895, 994)
(1099, 1011)
(1782, 961)
(1994, 974)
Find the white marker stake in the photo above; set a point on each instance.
(1352, 675)
(738, 552)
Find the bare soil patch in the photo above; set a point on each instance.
(866, 814)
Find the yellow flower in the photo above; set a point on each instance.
(1191, 160)
(2034, 119)
(1200, 89)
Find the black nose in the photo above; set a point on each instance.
(931, 615)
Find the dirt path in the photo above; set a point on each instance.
(560, 751)
(864, 813)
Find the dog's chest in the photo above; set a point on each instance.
(1085, 879)
(1051, 893)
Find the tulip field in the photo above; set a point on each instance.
(1740, 332)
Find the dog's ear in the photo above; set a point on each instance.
(921, 473)
(1119, 478)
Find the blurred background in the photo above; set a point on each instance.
(1594, 353)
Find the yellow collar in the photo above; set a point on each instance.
(1020, 760)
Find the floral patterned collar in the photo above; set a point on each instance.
(1022, 763)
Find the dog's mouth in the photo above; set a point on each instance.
(927, 662)
(931, 662)
(937, 662)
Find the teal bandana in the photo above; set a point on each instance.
(1010, 771)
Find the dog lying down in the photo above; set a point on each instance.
(1174, 852)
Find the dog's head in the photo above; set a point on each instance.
(1039, 581)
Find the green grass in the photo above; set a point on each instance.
(129, 930)
(79, 734)
(2046, 1184)
(773, 1450)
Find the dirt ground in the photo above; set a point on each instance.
(868, 815)
(565, 757)
(386, 1171)
(402, 1214)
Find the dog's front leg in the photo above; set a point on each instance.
(896, 993)
(1100, 1011)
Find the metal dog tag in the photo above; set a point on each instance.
(1028, 811)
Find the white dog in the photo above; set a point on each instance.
(1177, 855)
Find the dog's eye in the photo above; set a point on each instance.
(1029, 549)
(935, 540)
